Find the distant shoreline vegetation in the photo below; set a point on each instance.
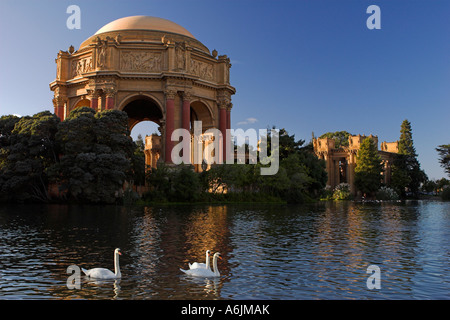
(90, 158)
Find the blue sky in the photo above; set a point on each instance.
(307, 66)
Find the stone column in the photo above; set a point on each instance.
(186, 113)
(224, 103)
(330, 168)
(351, 172)
(59, 100)
(110, 94)
(327, 164)
(186, 119)
(223, 130)
(58, 103)
(337, 177)
(229, 116)
(170, 107)
(93, 96)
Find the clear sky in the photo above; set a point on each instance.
(307, 66)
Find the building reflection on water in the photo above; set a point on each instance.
(165, 242)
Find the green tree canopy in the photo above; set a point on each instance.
(27, 151)
(444, 157)
(340, 138)
(368, 167)
(96, 155)
(406, 172)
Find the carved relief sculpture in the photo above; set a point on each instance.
(81, 66)
(102, 45)
(180, 56)
(140, 61)
(202, 69)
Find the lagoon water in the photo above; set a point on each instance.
(317, 251)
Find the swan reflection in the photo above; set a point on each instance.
(211, 286)
(104, 284)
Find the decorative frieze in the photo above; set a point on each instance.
(81, 66)
(143, 61)
(202, 69)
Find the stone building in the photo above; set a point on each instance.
(341, 162)
(151, 68)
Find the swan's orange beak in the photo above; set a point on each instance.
(219, 257)
(120, 253)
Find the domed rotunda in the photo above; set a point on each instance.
(151, 68)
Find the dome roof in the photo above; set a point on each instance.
(144, 23)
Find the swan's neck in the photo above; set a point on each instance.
(215, 270)
(207, 261)
(116, 265)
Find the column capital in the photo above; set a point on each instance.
(59, 101)
(223, 99)
(187, 96)
(93, 93)
(170, 93)
(110, 92)
(223, 103)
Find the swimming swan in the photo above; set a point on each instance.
(196, 265)
(201, 272)
(102, 273)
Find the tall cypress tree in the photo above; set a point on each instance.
(406, 172)
(368, 168)
(444, 157)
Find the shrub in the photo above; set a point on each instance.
(386, 193)
(342, 192)
(327, 193)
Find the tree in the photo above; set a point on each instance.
(399, 175)
(138, 165)
(406, 171)
(444, 157)
(96, 155)
(368, 168)
(313, 166)
(27, 151)
(7, 124)
(340, 138)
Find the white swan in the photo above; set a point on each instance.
(196, 265)
(201, 272)
(102, 273)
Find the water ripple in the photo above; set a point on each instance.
(318, 251)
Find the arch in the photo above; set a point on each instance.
(141, 107)
(201, 111)
(81, 102)
(135, 96)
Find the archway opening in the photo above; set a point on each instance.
(142, 109)
(200, 112)
(144, 119)
(144, 128)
